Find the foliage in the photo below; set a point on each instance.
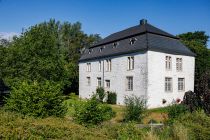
(189, 126)
(46, 51)
(192, 101)
(92, 112)
(100, 93)
(129, 131)
(16, 126)
(176, 110)
(111, 97)
(197, 42)
(135, 108)
(197, 123)
(35, 99)
(71, 104)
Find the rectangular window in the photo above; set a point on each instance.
(88, 68)
(99, 66)
(130, 63)
(88, 81)
(99, 81)
(129, 82)
(107, 83)
(168, 63)
(108, 65)
(179, 64)
(168, 84)
(181, 84)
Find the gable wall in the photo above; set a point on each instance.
(157, 74)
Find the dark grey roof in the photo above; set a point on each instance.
(148, 38)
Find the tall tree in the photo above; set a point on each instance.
(46, 51)
(197, 42)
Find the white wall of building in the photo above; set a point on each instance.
(148, 77)
(157, 73)
(117, 76)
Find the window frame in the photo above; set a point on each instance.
(183, 84)
(99, 80)
(88, 67)
(107, 82)
(179, 64)
(168, 63)
(99, 66)
(132, 41)
(166, 84)
(130, 63)
(129, 84)
(108, 65)
(88, 81)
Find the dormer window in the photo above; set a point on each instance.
(100, 50)
(132, 41)
(89, 51)
(115, 44)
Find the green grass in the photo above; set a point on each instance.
(17, 126)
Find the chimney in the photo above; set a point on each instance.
(143, 21)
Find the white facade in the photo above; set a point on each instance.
(148, 76)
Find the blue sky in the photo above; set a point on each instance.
(107, 16)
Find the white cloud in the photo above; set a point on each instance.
(8, 35)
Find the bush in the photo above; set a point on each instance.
(176, 110)
(197, 123)
(129, 131)
(100, 93)
(70, 103)
(35, 99)
(134, 108)
(111, 97)
(92, 112)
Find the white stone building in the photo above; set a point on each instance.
(142, 60)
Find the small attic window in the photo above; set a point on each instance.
(89, 51)
(115, 44)
(132, 41)
(100, 50)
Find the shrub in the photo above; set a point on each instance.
(111, 97)
(70, 103)
(100, 93)
(92, 112)
(35, 99)
(197, 123)
(129, 131)
(176, 110)
(134, 108)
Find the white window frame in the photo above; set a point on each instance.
(129, 83)
(179, 64)
(99, 66)
(99, 82)
(108, 65)
(168, 63)
(88, 67)
(108, 83)
(130, 62)
(168, 84)
(181, 84)
(88, 81)
(133, 41)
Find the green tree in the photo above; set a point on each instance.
(37, 99)
(197, 42)
(46, 51)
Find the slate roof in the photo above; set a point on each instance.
(148, 38)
